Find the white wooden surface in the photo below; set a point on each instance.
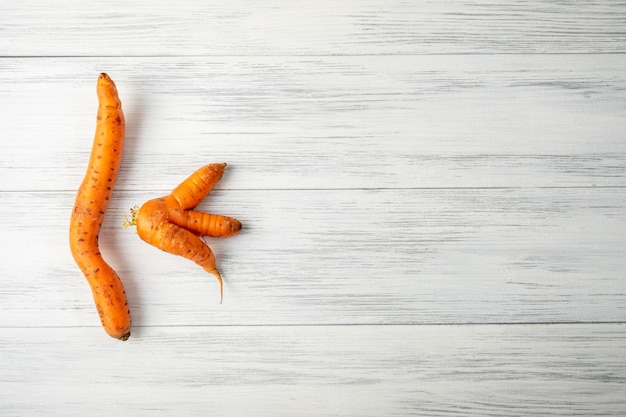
(433, 197)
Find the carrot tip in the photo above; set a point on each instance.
(219, 278)
(124, 337)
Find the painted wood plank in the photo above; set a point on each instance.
(556, 370)
(326, 122)
(275, 27)
(338, 257)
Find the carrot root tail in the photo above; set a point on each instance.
(219, 278)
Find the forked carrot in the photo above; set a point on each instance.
(90, 206)
(170, 223)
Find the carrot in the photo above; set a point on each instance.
(170, 223)
(90, 206)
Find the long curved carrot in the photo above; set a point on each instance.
(170, 223)
(90, 206)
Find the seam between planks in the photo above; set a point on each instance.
(425, 324)
(295, 55)
(547, 187)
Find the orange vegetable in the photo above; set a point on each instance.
(170, 223)
(90, 206)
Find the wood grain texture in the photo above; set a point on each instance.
(342, 257)
(331, 122)
(275, 27)
(556, 370)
